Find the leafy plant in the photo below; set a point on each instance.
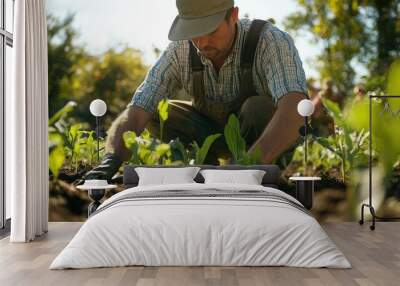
(56, 125)
(147, 150)
(130, 140)
(386, 131)
(56, 153)
(234, 140)
(321, 160)
(73, 143)
(237, 144)
(163, 111)
(179, 152)
(349, 145)
(69, 107)
(69, 145)
(201, 152)
(89, 147)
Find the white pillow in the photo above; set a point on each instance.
(166, 176)
(248, 177)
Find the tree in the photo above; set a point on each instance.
(113, 77)
(353, 33)
(387, 24)
(63, 56)
(75, 74)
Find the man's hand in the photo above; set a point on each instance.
(132, 119)
(282, 130)
(104, 171)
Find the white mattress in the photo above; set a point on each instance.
(206, 231)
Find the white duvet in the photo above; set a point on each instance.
(200, 231)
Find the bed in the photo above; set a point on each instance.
(201, 224)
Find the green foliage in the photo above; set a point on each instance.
(338, 26)
(163, 110)
(147, 150)
(234, 140)
(56, 153)
(69, 145)
(64, 56)
(252, 158)
(56, 160)
(130, 140)
(69, 107)
(89, 147)
(75, 74)
(362, 32)
(56, 124)
(322, 160)
(73, 143)
(179, 152)
(349, 145)
(385, 137)
(393, 81)
(386, 131)
(201, 152)
(237, 145)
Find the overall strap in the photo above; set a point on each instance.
(246, 76)
(247, 60)
(197, 72)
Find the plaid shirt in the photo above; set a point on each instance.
(277, 70)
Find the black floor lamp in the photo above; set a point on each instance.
(96, 188)
(305, 108)
(305, 184)
(370, 204)
(98, 108)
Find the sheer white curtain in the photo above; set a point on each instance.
(26, 124)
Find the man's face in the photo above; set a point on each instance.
(217, 45)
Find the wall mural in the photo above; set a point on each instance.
(337, 146)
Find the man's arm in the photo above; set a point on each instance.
(282, 130)
(281, 66)
(162, 80)
(132, 119)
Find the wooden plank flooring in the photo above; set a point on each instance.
(375, 257)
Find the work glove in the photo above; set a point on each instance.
(105, 171)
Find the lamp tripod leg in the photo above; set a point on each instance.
(372, 211)
(361, 221)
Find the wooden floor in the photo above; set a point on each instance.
(375, 257)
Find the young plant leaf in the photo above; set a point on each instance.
(234, 140)
(201, 153)
(56, 160)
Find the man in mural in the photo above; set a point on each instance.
(226, 65)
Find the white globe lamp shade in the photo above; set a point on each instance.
(305, 107)
(98, 107)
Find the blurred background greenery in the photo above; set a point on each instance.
(359, 53)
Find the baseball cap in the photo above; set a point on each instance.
(197, 18)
